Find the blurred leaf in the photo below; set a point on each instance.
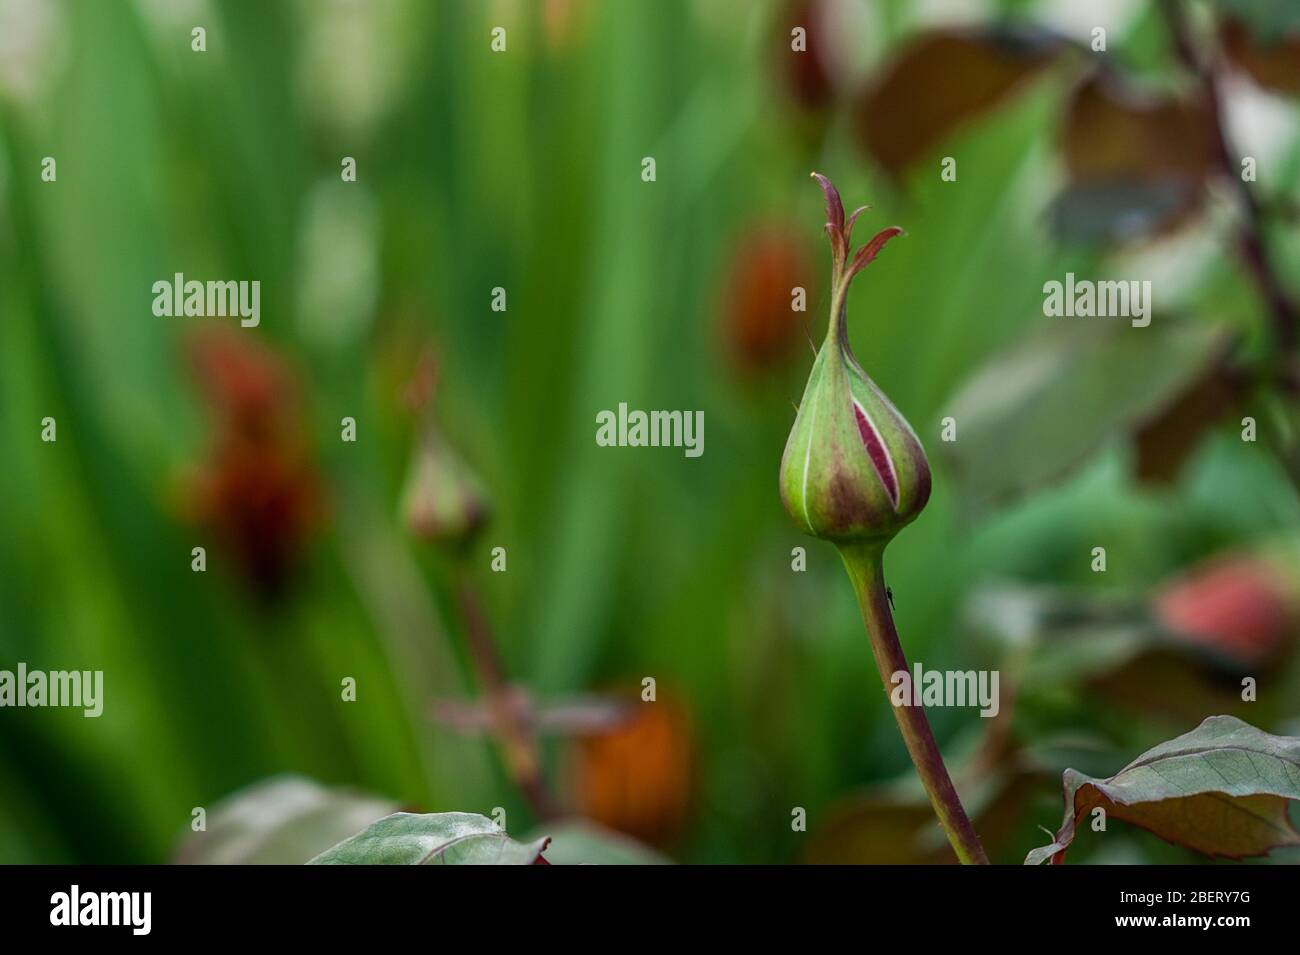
(1136, 160)
(579, 842)
(1066, 636)
(583, 531)
(1115, 209)
(1223, 789)
(1032, 414)
(872, 829)
(1278, 418)
(1118, 648)
(1173, 683)
(943, 79)
(1167, 440)
(882, 826)
(1071, 748)
(807, 74)
(1112, 127)
(1272, 63)
(443, 838)
(282, 821)
(1267, 19)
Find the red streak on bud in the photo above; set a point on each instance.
(879, 456)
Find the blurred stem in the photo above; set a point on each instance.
(1251, 232)
(519, 748)
(866, 570)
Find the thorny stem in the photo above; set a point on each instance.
(519, 748)
(866, 570)
(1250, 234)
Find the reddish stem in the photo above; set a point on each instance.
(519, 748)
(867, 573)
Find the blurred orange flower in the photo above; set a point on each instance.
(760, 324)
(636, 778)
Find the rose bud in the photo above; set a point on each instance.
(444, 502)
(853, 470)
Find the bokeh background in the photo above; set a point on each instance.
(522, 170)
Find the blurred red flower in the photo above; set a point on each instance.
(1242, 605)
(258, 494)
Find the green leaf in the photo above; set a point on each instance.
(1223, 789)
(1032, 414)
(1062, 636)
(579, 842)
(1111, 649)
(281, 821)
(443, 838)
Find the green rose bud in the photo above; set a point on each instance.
(443, 501)
(853, 468)
(854, 473)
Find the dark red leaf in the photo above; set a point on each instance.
(942, 79)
